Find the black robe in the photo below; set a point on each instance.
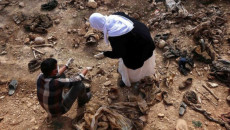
(134, 47)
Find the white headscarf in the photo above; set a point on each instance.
(113, 25)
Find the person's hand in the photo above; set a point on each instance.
(99, 55)
(69, 62)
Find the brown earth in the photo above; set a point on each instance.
(22, 110)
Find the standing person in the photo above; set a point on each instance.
(131, 42)
(50, 85)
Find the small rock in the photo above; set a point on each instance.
(57, 21)
(107, 83)
(92, 4)
(228, 98)
(87, 24)
(32, 37)
(89, 68)
(74, 15)
(81, 32)
(81, 7)
(162, 44)
(2, 97)
(3, 53)
(69, 31)
(21, 4)
(160, 115)
(212, 85)
(109, 101)
(228, 52)
(39, 40)
(87, 85)
(206, 68)
(143, 118)
(74, 30)
(52, 38)
(27, 41)
(215, 41)
(107, 2)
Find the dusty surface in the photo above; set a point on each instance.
(22, 110)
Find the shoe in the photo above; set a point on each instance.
(186, 84)
(182, 109)
(12, 87)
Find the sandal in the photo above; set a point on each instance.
(182, 109)
(12, 87)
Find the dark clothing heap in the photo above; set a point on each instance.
(50, 5)
(39, 24)
(134, 47)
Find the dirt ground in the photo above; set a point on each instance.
(22, 110)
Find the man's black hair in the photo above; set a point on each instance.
(48, 65)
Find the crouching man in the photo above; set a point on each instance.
(50, 85)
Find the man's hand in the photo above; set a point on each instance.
(99, 55)
(69, 62)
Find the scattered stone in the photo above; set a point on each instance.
(52, 38)
(74, 15)
(87, 85)
(160, 115)
(32, 37)
(162, 44)
(92, 4)
(27, 41)
(107, 2)
(2, 97)
(228, 98)
(107, 83)
(74, 30)
(39, 40)
(21, 4)
(81, 7)
(101, 72)
(215, 41)
(143, 118)
(87, 24)
(57, 21)
(89, 68)
(3, 53)
(212, 85)
(81, 32)
(69, 31)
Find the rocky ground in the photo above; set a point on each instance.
(202, 28)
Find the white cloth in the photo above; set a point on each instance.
(113, 25)
(129, 76)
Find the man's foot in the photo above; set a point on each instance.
(121, 83)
